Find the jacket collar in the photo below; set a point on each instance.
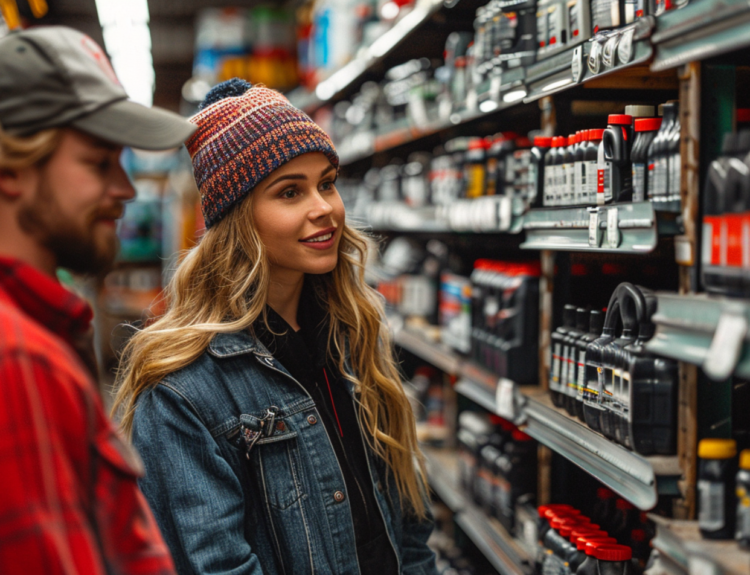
(236, 343)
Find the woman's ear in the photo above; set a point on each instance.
(16, 183)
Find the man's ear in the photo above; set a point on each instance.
(15, 183)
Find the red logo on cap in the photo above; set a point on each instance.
(93, 50)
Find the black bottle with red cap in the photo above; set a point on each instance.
(542, 145)
(617, 140)
(596, 322)
(613, 560)
(645, 132)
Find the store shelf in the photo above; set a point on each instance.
(708, 331)
(632, 476)
(352, 73)
(488, 214)
(681, 546)
(437, 354)
(495, 543)
(701, 30)
(571, 67)
(616, 228)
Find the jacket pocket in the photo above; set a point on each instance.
(279, 469)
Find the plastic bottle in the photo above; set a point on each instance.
(571, 382)
(717, 469)
(590, 167)
(658, 179)
(604, 507)
(588, 545)
(645, 132)
(517, 476)
(539, 152)
(743, 500)
(616, 142)
(714, 207)
(569, 171)
(613, 559)
(558, 338)
(560, 188)
(579, 169)
(492, 161)
(579, 21)
(596, 320)
(603, 181)
(557, 26)
(549, 173)
(542, 34)
(674, 163)
(607, 14)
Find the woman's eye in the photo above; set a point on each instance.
(288, 194)
(327, 185)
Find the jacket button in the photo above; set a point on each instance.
(280, 426)
(312, 420)
(339, 496)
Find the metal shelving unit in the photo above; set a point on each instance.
(683, 549)
(495, 543)
(700, 30)
(636, 478)
(708, 331)
(615, 228)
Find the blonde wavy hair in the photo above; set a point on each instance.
(19, 152)
(222, 286)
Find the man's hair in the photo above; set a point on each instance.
(18, 152)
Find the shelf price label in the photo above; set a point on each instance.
(613, 233)
(726, 346)
(504, 399)
(576, 66)
(594, 228)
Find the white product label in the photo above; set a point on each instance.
(570, 187)
(613, 233)
(594, 229)
(639, 182)
(607, 182)
(651, 180)
(591, 178)
(549, 185)
(559, 185)
(711, 511)
(505, 213)
(572, 375)
(504, 399)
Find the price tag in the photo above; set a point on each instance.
(504, 399)
(613, 233)
(594, 229)
(625, 49)
(576, 66)
(595, 57)
(496, 81)
(726, 346)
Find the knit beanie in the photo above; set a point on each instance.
(244, 133)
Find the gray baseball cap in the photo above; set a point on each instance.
(55, 76)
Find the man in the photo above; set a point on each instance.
(68, 497)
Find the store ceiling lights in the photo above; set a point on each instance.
(127, 38)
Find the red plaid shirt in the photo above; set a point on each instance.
(69, 503)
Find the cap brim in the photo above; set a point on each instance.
(131, 124)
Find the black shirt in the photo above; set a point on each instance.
(304, 354)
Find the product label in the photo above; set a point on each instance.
(651, 181)
(541, 28)
(734, 240)
(572, 376)
(675, 169)
(743, 513)
(711, 510)
(639, 182)
(613, 233)
(591, 187)
(564, 369)
(559, 186)
(581, 383)
(554, 25)
(549, 186)
(570, 186)
(607, 182)
(640, 8)
(554, 383)
(574, 19)
(662, 179)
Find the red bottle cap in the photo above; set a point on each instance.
(596, 134)
(624, 505)
(588, 530)
(588, 544)
(647, 124)
(743, 115)
(523, 142)
(613, 553)
(572, 139)
(557, 142)
(478, 144)
(620, 119)
(542, 141)
(604, 493)
(561, 513)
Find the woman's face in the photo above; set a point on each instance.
(299, 216)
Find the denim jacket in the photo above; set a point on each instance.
(279, 507)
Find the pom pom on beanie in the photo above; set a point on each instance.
(229, 89)
(244, 133)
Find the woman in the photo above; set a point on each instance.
(266, 403)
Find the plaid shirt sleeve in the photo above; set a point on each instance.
(69, 503)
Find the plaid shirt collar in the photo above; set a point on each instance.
(44, 299)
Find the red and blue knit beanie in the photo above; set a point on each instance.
(244, 133)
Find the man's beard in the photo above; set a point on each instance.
(75, 248)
